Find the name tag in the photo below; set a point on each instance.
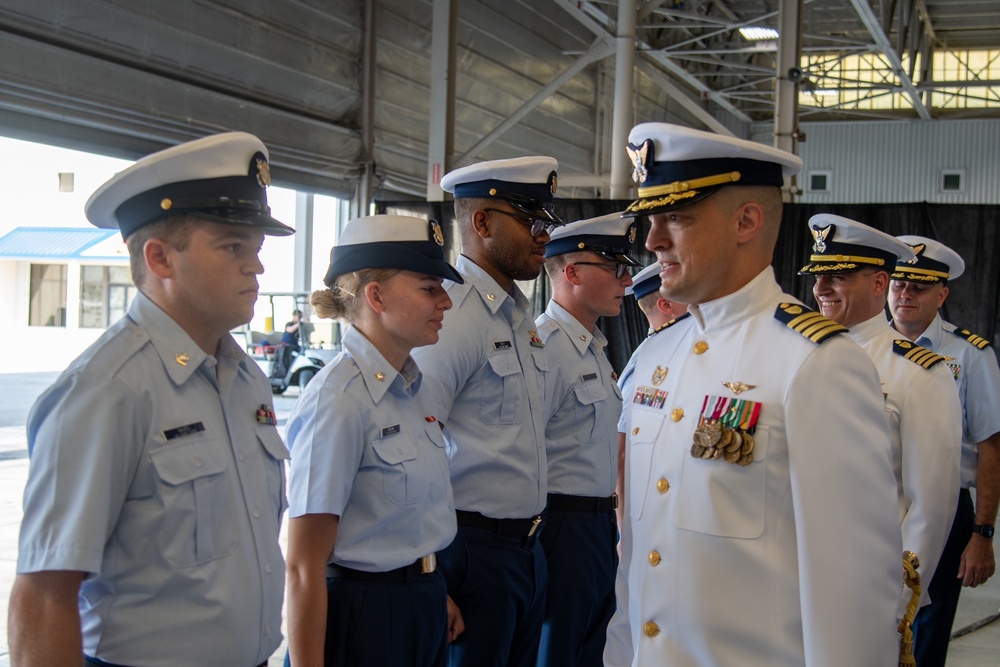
(390, 430)
(181, 431)
(587, 377)
(502, 345)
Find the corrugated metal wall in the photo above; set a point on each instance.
(897, 162)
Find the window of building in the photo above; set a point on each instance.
(952, 181)
(105, 295)
(47, 302)
(819, 182)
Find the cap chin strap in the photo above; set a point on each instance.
(683, 186)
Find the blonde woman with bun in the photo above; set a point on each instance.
(369, 491)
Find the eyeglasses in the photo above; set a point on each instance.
(618, 267)
(535, 225)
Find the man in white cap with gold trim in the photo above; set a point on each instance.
(852, 263)
(919, 288)
(489, 365)
(760, 526)
(588, 264)
(157, 481)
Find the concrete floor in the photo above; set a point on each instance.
(978, 648)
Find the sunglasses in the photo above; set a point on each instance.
(618, 267)
(535, 225)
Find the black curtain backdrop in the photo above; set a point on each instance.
(971, 230)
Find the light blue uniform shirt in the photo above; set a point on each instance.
(584, 403)
(363, 449)
(978, 379)
(487, 373)
(151, 473)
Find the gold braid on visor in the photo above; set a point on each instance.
(928, 275)
(847, 258)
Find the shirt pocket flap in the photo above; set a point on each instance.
(181, 463)
(541, 360)
(590, 392)
(394, 450)
(435, 434)
(504, 363)
(272, 444)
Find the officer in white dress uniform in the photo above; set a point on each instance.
(659, 312)
(587, 263)
(852, 263)
(919, 288)
(488, 369)
(157, 480)
(761, 525)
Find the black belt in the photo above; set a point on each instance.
(516, 527)
(94, 662)
(425, 565)
(563, 503)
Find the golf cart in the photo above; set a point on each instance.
(286, 366)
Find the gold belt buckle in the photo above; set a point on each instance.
(428, 564)
(534, 525)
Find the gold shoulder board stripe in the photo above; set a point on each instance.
(669, 324)
(921, 356)
(807, 322)
(976, 340)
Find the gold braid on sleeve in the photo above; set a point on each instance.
(911, 578)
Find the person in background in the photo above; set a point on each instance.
(659, 312)
(761, 511)
(918, 290)
(156, 488)
(488, 385)
(851, 263)
(370, 500)
(289, 342)
(587, 263)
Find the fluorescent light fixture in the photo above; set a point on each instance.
(821, 92)
(756, 34)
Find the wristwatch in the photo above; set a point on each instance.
(984, 529)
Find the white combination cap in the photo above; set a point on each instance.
(222, 178)
(842, 245)
(676, 166)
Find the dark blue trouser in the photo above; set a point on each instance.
(386, 623)
(932, 627)
(498, 582)
(582, 554)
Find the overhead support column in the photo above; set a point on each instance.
(366, 185)
(624, 87)
(302, 261)
(786, 103)
(441, 133)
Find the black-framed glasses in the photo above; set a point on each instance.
(535, 225)
(619, 268)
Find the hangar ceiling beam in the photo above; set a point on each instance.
(601, 48)
(695, 106)
(871, 22)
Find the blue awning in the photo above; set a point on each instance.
(62, 243)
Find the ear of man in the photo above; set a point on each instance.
(158, 255)
(481, 224)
